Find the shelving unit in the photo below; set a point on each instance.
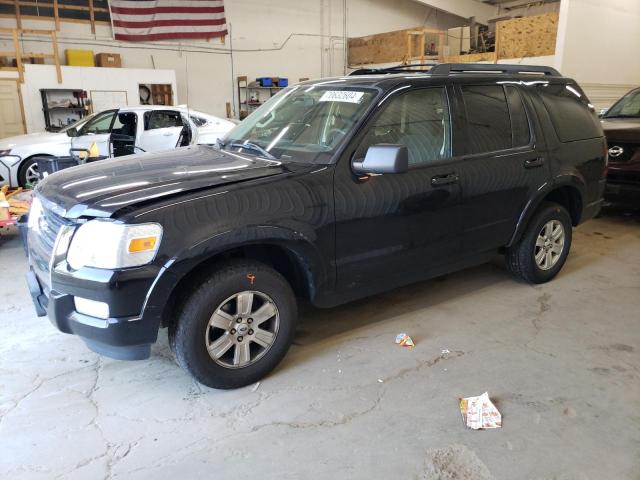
(56, 116)
(245, 96)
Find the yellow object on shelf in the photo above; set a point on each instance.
(80, 58)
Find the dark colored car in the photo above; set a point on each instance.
(621, 125)
(332, 190)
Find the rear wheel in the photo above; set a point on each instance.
(544, 247)
(236, 327)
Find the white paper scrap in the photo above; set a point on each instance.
(348, 96)
(479, 412)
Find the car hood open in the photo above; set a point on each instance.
(102, 188)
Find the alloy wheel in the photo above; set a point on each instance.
(242, 329)
(549, 245)
(32, 175)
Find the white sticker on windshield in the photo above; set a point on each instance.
(341, 96)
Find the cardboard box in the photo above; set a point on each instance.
(79, 58)
(112, 60)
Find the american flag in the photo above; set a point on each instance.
(147, 20)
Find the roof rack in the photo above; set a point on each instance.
(449, 68)
(396, 69)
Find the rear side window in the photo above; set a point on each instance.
(199, 121)
(162, 119)
(496, 118)
(571, 114)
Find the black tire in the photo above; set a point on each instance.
(22, 172)
(521, 257)
(187, 335)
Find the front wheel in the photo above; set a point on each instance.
(236, 327)
(28, 175)
(544, 247)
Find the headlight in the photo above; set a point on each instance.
(34, 213)
(5, 152)
(110, 245)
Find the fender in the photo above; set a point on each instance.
(316, 270)
(570, 179)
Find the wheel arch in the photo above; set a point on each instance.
(567, 191)
(295, 261)
(22, 163)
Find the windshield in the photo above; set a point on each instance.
(627, 106)
(302, 123)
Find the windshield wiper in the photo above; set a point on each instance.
(622, 116)
(254, 147)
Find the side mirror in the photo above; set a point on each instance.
(384, 158)
(72, 132)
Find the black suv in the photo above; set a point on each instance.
(332, 190)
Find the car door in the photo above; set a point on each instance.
(162, 130)
(504, 161)
(97, 130)
(393, 229)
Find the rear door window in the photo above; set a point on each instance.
(162, 119)
(198, 121)
(488, 123)
(571, 113)
(520, 130)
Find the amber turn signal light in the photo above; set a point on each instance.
(142, 244)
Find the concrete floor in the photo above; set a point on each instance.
(559, 360)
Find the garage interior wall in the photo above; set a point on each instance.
(598, 44)
(277, 38)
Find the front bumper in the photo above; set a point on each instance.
(126, 335)
(622, 191)
(9, 170)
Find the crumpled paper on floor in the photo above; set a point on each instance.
(404, 340)
(479, 413)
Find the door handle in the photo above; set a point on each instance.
(167, 134)
(534, 162)
(445, 179)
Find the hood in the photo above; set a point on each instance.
(101, 188)
(625, 130)
(33, 139)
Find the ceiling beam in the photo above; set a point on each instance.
(463, 8)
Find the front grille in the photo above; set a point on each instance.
(41, 242)
(50, 224)
(627, 152)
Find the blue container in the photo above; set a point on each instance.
(283, 82)
(265, 81)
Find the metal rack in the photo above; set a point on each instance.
(78, 108)
(245, 95)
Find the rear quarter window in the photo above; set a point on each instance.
(571, 113)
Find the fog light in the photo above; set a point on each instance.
(91, 307)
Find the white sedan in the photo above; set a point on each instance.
(115, 132)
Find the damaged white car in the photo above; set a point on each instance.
(114, 132)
